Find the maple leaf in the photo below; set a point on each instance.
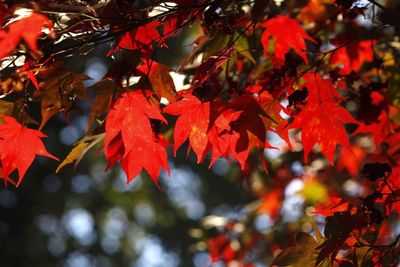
(130, 137)
(249, 127)
(59, 91)
(323, 124)
(207, 68)
(160, 79)
(273, 121)
(287, 34)
(351, 159)
(238, 128)
(193, 123)
(320, 90)
(29, 29)
(335, 204)
(221, 136)
(301, 254)
(104, 90)
(140, 38)
(18, 147)
(322, 117)
(353, 55)
(379, 131)
(80, 149)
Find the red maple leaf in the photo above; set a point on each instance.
(140, 38)
(287, 34)
(18, 147)
(29, 29)
(238, 128)
(193, 123)
(229, 130)
(273, 121)
(130, 137)
(249, 128)
(323, 124)
(322, 118)
(321, 90)
(353, 55)
(335, 204)
(221, 136)
(351, 160)
(379, 131)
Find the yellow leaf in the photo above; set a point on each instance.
(315, 192)
(81, 148)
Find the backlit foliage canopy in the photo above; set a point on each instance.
(284, 91)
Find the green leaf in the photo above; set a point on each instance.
(242, 47)
(216, 44)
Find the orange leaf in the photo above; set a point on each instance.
(314, 11)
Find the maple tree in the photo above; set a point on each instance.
(320, 76)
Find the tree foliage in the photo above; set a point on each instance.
(319, 75)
